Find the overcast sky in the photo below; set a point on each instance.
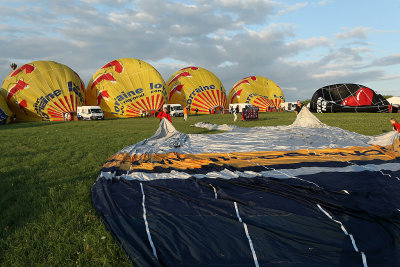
(301, 45)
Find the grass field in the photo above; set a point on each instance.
(47, 170)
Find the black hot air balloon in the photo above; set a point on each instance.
(348, 97)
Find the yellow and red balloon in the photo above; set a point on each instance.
(196, 88)
(126, 87)
(5, 113)
(43, 90)
(258, 91)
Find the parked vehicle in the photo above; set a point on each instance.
(289, 106)
(90, 113)
(241, 106)
(175, 110)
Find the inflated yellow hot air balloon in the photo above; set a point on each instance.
(5, 113)
(43, 90)
(258, 91)
(126, 88)
(197, 89)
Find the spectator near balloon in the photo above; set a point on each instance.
(164, 114)
(395, 124)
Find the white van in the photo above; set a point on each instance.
(90, 113)
(232, 107)
(289, 106)
(175, 110)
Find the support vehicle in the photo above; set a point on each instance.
(175, 110)
(232, 107)
(90, 113)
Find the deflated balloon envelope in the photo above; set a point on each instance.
(348, 97)
(126, 88)
(300, 195)
(5, 112)
(196, 88)
(258, 91)
(43, 90)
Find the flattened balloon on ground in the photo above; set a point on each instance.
(305, 194)
(125, 88)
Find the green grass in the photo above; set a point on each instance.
(47, 170)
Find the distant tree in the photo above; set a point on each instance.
(305, 102)
(387, 96)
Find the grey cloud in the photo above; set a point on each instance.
(291, 8)
(86, 35)
(387, 61)
(355, 33)
(107, 2)
(247, 12)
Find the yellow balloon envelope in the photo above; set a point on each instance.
(5, 112)
(126, 88)
(258, 91)
(43, 90)
(197, 89)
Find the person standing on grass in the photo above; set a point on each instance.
(235, 112)
(395, 124)
(157, 112)
(185, 113)
(164, 114)
(299, 106)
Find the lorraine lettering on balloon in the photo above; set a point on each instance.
(133, 86)
(197, 89)
(44, 91)
(257, 91)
